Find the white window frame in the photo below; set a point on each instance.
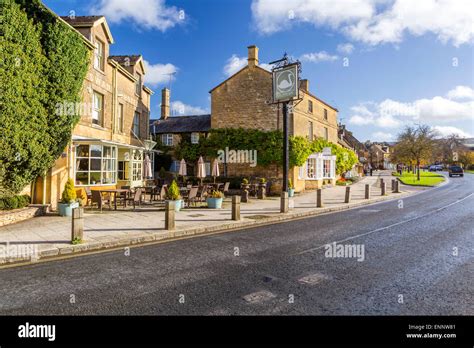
(317, 168)
(120, 111)
(167, 139)
(194, 138)
(103, 164)
(97, 108)
(99, 55)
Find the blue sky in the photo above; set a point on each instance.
(383, 63)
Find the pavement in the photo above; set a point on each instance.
(417, 260)
(50, 236)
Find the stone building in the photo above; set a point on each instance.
(109, 144)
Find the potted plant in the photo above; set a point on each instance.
(244, 197)
(262, 189)
(291, 189)
(174, 195)
(68, 199)
(214, 201)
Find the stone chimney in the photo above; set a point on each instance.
(165, 103)
(304, 85)
(253, 56)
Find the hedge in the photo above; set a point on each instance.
(14, 202)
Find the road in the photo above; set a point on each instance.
(418, 259)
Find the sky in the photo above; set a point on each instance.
(384, 64)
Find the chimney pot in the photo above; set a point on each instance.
(253, 56)
(165, 103)
(304, 85)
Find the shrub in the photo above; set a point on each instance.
(173, 191)
(216, 194)
(290, 184)
(69, 193)
(245, 181)
(263, 180)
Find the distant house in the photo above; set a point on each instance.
(379, 155)
(348, 140)
(170, 130)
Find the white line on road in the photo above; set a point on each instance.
(387, 227)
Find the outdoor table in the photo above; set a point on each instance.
(114, 192)
(147, 190)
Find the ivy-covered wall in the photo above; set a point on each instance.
(268, 144)
(44, 62)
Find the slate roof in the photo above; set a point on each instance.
(81, 20)
(132, 59)
(181, 124)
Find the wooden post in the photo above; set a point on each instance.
(347, 199)
(284, 202)
(383, 189)
(397, 186)
(235, 208)
(319, 198)
(77, 230)
(367, 191)
(169, 215)
(393, 185)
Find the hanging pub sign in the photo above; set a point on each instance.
(285, 83)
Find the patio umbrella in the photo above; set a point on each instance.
(201, 173)
(182, 169)
(147, 167)
(215, 169)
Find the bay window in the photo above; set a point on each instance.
(95, 165)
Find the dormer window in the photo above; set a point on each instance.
(99, 55)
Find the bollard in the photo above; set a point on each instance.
(284, 203)
(319, 198)
(347, 199)
(235, 208)
(244, 196)
(169, 215)
(383, 188)
(77, 230)
(393, 185)
(397, 187)
(367, 191)
(381, 182)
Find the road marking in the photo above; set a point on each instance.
(259, 296)
(387, 227)
(313, 279)
(369, 210)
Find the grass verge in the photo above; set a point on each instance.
(426, 179)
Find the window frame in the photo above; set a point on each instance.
(136, 124)
(104, 160)
(310, 106)
(99, 111)
(138, 84)
(120, 111)
(310, 130)
(325, 115)
(165, 139)
(99, 55)
(194, 138)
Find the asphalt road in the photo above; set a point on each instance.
(418, 259)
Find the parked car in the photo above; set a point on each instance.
(439, 167)
(435, 167)
(455, 170)
(432, 168)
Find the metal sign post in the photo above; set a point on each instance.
(285, 90)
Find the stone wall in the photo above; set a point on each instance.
(9, 217)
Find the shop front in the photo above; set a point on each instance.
(319, 168)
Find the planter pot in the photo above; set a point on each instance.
(177, 204)
(291, 192)
(244, 197)
(65, 209)
(214, 203)
(262, 191)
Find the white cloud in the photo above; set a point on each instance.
(382, 136)
(234, 64)
(371, 21)
(346, 48)
(178, 108)
(445, 131)
(317, 57)
(149, 14)
(392, 114)
(461, 92)
(159, 73)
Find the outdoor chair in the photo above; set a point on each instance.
(192, 196)
(135, 199)
(162, 194)
(89, 195)
(226, 187)
(202, 194)
(100, 200)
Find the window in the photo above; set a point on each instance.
(326, 168)
(310, 131)
(311, 168)
(137, 165)
(194, 138)
(138, 85)
(326, 114)
(96, 165)
(120, 118)
(175, 166)
(97, 108)
(167, 139)
(326, 133)
(310, 106)
(136, 124)
(122, 173)
(99, 55)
